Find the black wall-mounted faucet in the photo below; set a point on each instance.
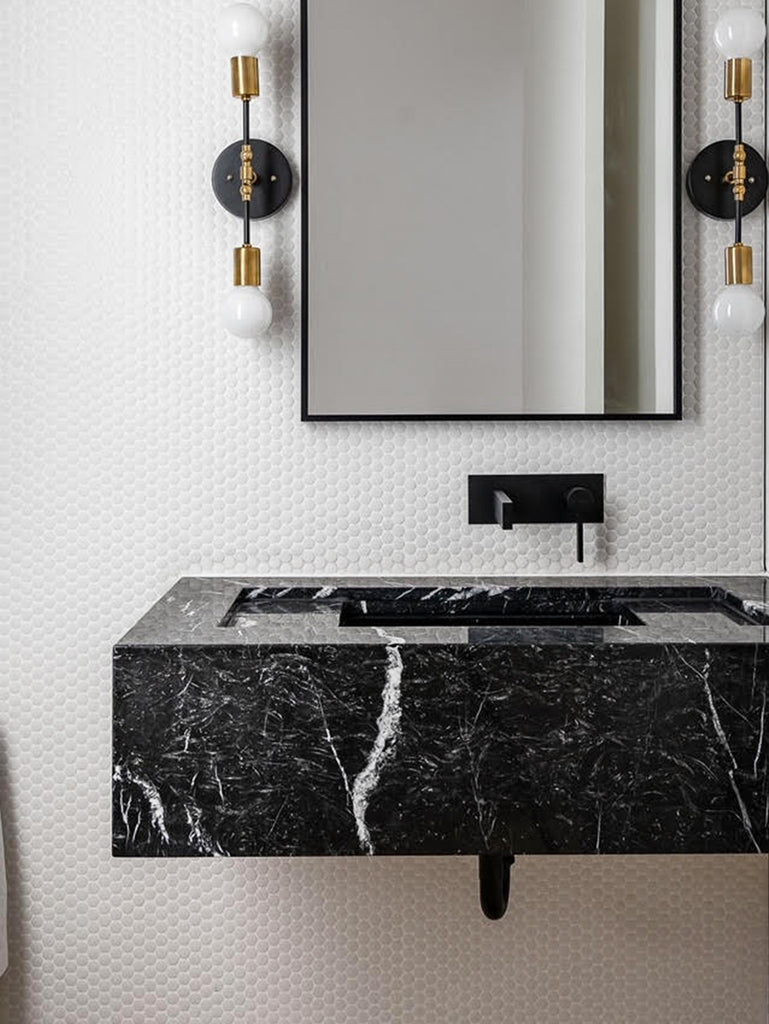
(507, 500)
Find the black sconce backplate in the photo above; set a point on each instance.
(711, 194)
(273, 184)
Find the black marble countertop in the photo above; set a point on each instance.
(248, 722)
(247, 612)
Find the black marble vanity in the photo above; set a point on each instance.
(268, 718)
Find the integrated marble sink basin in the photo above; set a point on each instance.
(501, 606)
(348, 717)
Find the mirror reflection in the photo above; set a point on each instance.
(490, 208)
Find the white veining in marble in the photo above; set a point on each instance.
(388, 725)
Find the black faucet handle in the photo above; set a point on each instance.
(580, 543)
(581, 502)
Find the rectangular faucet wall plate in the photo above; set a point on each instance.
(535, 498)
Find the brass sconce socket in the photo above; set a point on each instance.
(245, 77)
(738, 176)
(738, 79)
(248, 176)
(739, 264)
(248, 266)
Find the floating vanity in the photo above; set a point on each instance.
(259, 718)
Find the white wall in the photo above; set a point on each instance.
(139, 443)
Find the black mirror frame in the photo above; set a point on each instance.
(678, 185)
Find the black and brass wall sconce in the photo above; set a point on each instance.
(728, 179)
(251, 178)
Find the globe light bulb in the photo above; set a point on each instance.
(243, 30)
(738, 310)
(740, 33)
(247, 312)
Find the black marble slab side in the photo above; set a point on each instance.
(247, 722)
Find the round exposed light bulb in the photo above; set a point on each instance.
(740, 33)
(247, 312)
(243, 30)
(738, 310)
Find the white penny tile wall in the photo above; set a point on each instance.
(139, 443)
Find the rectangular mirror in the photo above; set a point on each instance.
(491, 209)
